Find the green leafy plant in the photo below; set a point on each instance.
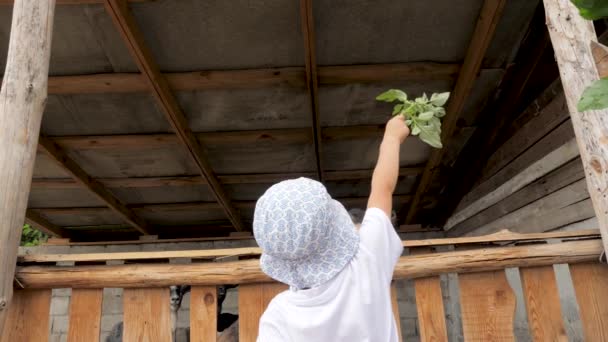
(32, 237)
(595, 96)
(422, 115)
(592, 9)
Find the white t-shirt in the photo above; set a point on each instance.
(353, 306)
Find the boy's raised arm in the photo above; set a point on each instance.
(386, 173)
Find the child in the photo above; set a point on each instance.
(339, 277)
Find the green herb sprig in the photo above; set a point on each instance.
(421, 115)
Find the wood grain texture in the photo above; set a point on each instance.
(543, 304)
(126, 25)
(429, 305)
(97, 188)
(571, 36)
(490, 14)
(203, 314)
(248, 271)
(146, 315)
(395, 306)
(85, 315)
(253, 300)
(28, 317)
(590, 283)
(487, 306)
(22, 100)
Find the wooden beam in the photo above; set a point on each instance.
(501, 237)
(22, 101)
(263, 178)
(571, 36)
(489, 16)
(34, 219)
(93, 185)
(312, 80)
(126, 25)
(252, 78)
(248, 271)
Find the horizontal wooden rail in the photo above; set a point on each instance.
(245, 251)
(248, 271)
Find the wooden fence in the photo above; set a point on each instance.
(487, 301)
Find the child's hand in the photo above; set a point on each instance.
(397, 129)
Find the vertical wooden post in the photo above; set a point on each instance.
(22, 101)
(571, 36)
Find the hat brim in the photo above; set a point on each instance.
(341, 247)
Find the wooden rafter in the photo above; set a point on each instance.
(126, 25)
(312, 80)
(268, 178)
(252, 78)
(96, 187)
(34, 219)
(489, 16)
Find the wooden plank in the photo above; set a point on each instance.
(99, 190)
(203, 314)
(126, 25)
(590, 283)
(502, 236)
(551, 182)
(146, 314)
(253, 300)
(28, 317)
(513, 178)
(395, 306)
(489, 16)
(22, 100)
(522, 219)
(487, 306)
(543, 304)
(571, 36)
(248, 271)
(35, 220)
(85, 315)
(429, 305)
(231, 79)
(72, 2)
(265, 178)
(312, 80)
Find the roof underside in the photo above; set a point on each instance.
(253, 134)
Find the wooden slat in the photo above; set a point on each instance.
(253, 300)
(263, 178)
(146, 315)
(503, 236)
(126, 25)
(28, 317)
(429, 305)
(230, 79)
(571, 36)
(203, 314)
(98, 189)
(312, 80)
(34, 219)
(488, 306)
(85, 315)
(489, 16)
(543, 304)
(395, 306)
(248, 271)
(591, 284)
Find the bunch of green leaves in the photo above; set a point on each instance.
(592, 9)
(421, 114)
(595, 96)
(32, 237)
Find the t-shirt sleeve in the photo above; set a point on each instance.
(270, 327)
(380, 238)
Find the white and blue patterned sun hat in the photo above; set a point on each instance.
(306, 237)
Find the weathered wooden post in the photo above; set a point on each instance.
(571, 36)
(22, 101)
